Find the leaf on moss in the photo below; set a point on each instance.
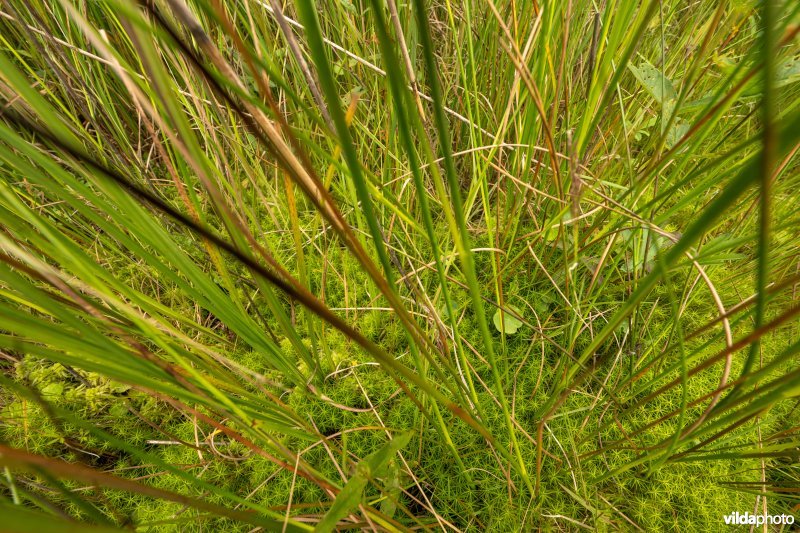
(505, 322)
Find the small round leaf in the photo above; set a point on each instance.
(507, 323)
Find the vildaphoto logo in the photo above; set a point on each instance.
(740, 519)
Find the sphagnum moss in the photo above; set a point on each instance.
(163, 369)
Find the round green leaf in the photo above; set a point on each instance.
(507, 323)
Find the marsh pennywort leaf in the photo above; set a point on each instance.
(504, 322)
